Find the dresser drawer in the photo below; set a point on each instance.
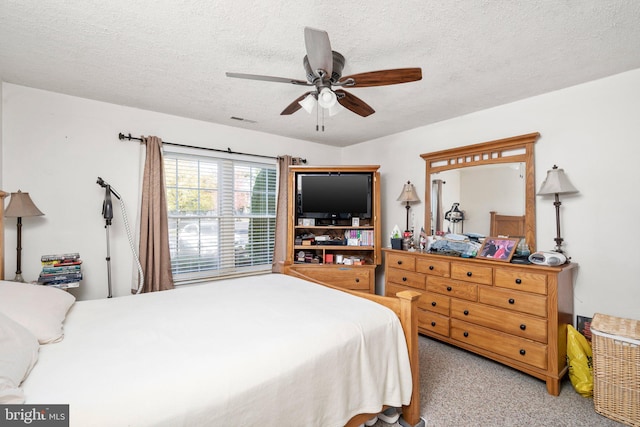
(519, 324)
(433, 322)
(452, 288)
(513, 300)
(521, 280)
(428, 301)
(433, 267)
(404, 262)
(406, 278)
(472, 273)
(435, 302)
(354, 278)
(519, 349)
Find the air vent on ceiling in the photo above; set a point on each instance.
(240, 119)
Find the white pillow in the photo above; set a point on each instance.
(40, 309)
(18, 354)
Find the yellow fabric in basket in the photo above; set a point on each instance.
(580, 359)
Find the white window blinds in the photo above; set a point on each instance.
(222, 215)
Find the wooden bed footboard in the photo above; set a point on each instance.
(405, 307)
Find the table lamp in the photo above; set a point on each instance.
(20, 206)
(557, 183)
(408, 196)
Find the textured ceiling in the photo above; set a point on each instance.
(171, 56)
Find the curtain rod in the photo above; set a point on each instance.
(122, 136)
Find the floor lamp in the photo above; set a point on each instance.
(557, 183)
(20, 206)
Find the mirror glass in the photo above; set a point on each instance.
(478, 190)
(470, 182)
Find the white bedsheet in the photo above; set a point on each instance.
(267, 350)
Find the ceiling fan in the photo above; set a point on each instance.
(323, 68)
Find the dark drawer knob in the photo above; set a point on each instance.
(466, 334)
(466, 312)
(523, 326)
(449, 288)
(512, 301)
(433, 323)
(469, 274)
(357, 280)
(433, 303)
(518, 281)
(399, 262)
(431, 267)
(523, 351)
(404, 279)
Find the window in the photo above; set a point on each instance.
(222, 215)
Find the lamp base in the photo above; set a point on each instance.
(18, 278)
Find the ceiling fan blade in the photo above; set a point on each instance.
(294, 106)
(383, 77)
(353, 103)
(268, 79)
(318, 50)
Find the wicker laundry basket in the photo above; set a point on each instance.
(616, 368)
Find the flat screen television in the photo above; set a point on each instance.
(334, 195)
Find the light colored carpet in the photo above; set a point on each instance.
(459, 388)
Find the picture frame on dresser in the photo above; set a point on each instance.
(498, 248)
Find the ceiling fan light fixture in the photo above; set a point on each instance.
(326, 98)
(308, 103)
(335, 109)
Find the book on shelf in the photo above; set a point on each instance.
(61, 269)
(64, 263)
(65, 285)
(74, 256)
(69, 277)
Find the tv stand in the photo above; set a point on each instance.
(348, 255)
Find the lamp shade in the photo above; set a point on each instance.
(326, 98)
(308, 103)
(335, 109)
(20, 206)
(556, 182)
(408, 194)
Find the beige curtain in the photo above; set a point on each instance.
(280, 247)
(154, 228)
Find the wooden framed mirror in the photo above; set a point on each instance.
(493, 182)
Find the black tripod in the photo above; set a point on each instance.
(107, 213)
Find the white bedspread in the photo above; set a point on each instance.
(267, 350)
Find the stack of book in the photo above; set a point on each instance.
(61, 270)
(363, 237)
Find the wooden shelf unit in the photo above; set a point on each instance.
(354, 276)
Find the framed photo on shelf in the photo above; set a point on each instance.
(498, 248)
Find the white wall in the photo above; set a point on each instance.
(55, 146)
(591, 131)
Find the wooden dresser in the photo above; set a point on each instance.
(514, 314)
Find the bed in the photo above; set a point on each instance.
(506, 225)
(271, 350)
